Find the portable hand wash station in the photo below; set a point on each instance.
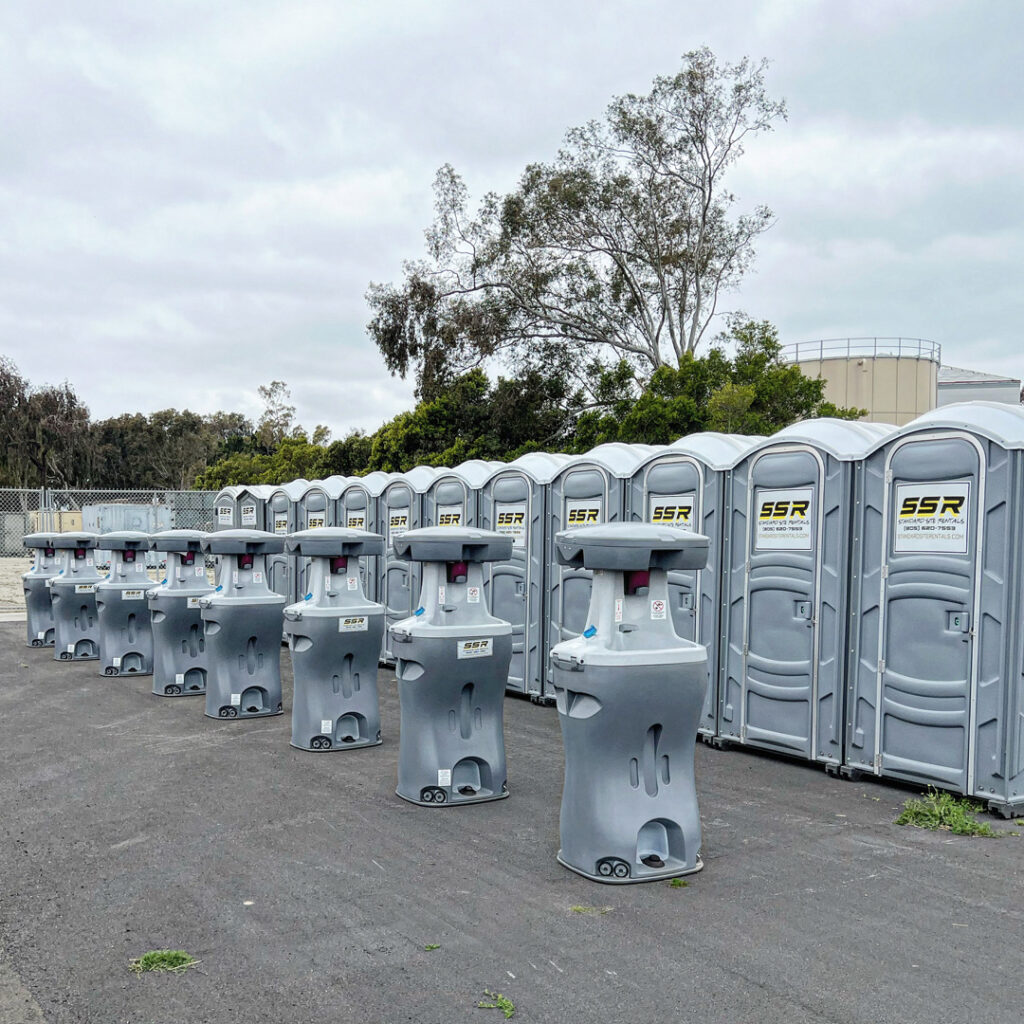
(629, 693)
(179, 645)
(334, 635)
(242, 620)
(36, 584)
(76, 631)
(126, 640)
(452, 659)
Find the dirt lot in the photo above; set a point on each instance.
(311, 893)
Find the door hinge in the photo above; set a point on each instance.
(881, 665)
(878, 762)
(888, 476)
(885, 572)
(746, 650)
(743, 734)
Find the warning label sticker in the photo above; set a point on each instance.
(472, 595)
(658, 610)
(584, 511)
(932, 518)
(444, 776)
(449, 515)
(671, 510)
(280, 522)
(783, 520)
(353, 624)
(510, 520)
(326, 725)
(247, 515)
(474, 648)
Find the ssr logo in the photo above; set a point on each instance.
(511, 518)
(356, 522)
(449, 519)
(671, 514)
(315, 523)
(932, 505)
(474, 648)
(353, 624)
(398, 520)
(578, 516)
(784, 509)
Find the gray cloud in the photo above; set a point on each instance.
(207, 189)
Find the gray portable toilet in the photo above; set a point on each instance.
(225, 508)
(589, 490)
(514, 503)
(334, 635)
(316, 508)
(242, 627)
(250, 504)
(785, 588)
(76, 630)
(36, 585)
(452, 663)
(401, 510)
(452, 499)
(936, 691)
(179, 644)
(126, 636)
(629, 692)
(357, 508)
(684, 486)
(281, 517)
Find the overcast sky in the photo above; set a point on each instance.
(203, 190)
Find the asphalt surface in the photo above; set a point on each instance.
(309, 891)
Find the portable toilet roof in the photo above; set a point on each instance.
(294, 490)
(374, 482)
(715, 450)
(543, 467)
(419, 478)
(997, 421)
(334, 485)
(618, 458)
(476, 472)
(260, 491)
(846, 440)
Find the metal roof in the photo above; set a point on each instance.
(716, 451)
(998, 421)
(958, 375)
(846, 440)
(542, 467)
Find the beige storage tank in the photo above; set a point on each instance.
(895, 379)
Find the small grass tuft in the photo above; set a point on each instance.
(432, 945)
(499, 1002)
(1018, 821)
(173, 960)
(939, 810)
(580, 909)
(679, 883)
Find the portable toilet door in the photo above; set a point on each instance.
(452, 498)
(684, 486)
(785, 588)
(936, 687)
(281, 517)
(316, 508)
(251, 504)
(513, 502)
(225, 508)
(357, 508)
(401, 510)
(589, 489)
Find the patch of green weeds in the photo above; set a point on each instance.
(173, 960)
(432, 945)
(679, 883)
(500, 1002)
(1018, 821)
(580, 909)
(940, 810)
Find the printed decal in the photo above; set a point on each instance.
(353, 624)
(784, 519)
(510, 520)
(481, 648)
(672, 510)
(932, 518)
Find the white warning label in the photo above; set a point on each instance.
(618, 609)
(280, 522)
(247, 515)
(326, 726)
(671, 510)
(236, 700)
(510, 520)
(472, 595)
(444, 776)
(353, 582)
(783, 519)
(932, 517)
(449, 515)
(481, 648)
(257, 577)
(353, 624)
(658, 609)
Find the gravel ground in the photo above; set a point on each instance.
(310, 891)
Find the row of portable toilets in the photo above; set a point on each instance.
(861, 604)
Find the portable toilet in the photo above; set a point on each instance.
(250, 503)
(514, 501)
(281, 516)
(684, 486)
(936, 691)
(453, 497)
(225, 515)
(225, 508)
(357, 508)
(784, 588)
(590, 489)
(317, 507)
(401, 509)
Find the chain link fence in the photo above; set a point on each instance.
(31, 510)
